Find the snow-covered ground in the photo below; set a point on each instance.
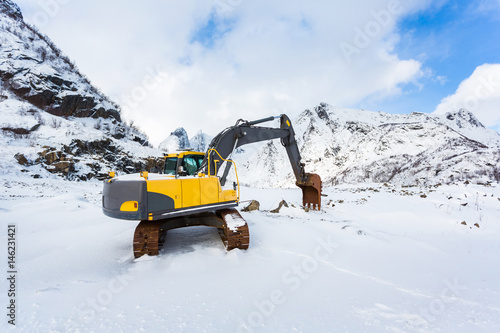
(374, 259)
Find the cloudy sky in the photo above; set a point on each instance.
(202, 64)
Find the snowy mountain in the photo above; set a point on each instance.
(179, 140)
(356, 146)
(32, 68)
(200, 141)
(52, 120)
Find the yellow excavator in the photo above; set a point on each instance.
(191, 189)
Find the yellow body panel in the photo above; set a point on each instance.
(169, 186)
(191, 192)
(228, 195)
(129, 206)
(210, 189)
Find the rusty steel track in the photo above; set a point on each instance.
(149, 236)
(234, 237)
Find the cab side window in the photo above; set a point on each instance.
(170, 166)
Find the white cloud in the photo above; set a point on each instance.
(480, 94)
(276, 57)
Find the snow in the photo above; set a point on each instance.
(375, 258)
(234, 221)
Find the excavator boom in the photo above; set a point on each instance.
(245, 132)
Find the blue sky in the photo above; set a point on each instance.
(203, 64)
(450, 40)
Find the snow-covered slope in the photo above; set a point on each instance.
(33, 69)
(52, 120)
(353, 146)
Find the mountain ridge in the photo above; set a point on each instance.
(356, 146)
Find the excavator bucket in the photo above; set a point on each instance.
(311, 191)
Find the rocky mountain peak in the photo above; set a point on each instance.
(179, 139)
(322, 111)
(10, 9)
(463, 117)
(200, 141)
(182, 135)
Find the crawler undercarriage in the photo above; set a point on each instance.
(149, 236)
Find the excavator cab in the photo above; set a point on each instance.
(185, 163)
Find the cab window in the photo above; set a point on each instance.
(192, 163)
(170, 165)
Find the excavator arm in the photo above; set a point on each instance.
(245, 132)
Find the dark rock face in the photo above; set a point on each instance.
(79, 106)
(70, 158)
(51, 101)
(464, 118)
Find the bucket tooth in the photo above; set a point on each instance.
(311, 191)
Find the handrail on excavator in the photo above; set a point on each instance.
(225, 160)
